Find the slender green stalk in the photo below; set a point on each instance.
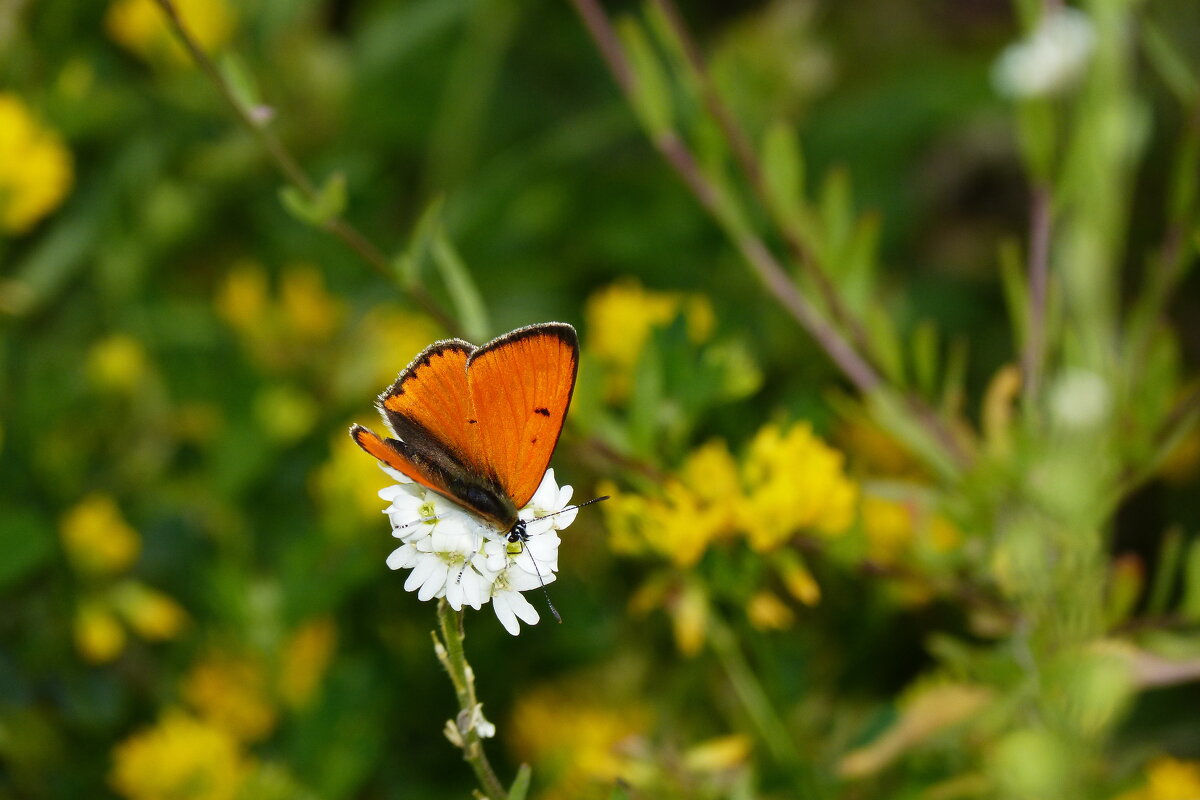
(463, 731)
(750, 692)
(290, 168)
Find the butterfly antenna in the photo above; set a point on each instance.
(545, 591)
(425, 520)
(571, 508)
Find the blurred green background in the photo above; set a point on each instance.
(194, 597)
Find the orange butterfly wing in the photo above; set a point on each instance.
(520, 387)
(429, 408)
(429, 405)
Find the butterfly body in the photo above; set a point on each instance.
(478, 425)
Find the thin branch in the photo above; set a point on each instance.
(1040, 222)
(293, 172)
(743, 151)
(769, 271)
(755, 252)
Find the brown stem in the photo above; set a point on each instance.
(294, 173)
(1040, 222)
(743, 151)
(755, 252)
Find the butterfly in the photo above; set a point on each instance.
(478, 425)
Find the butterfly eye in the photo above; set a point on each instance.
(514, 547)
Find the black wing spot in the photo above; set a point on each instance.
(472, 421)
(545, 412)
(533, 440)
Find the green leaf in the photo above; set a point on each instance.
(411, 263)
(242, 84)
(1037, 133)
(620, 792)
(885, 343)
(783, 172)
(1182, 203)
(1169, 63)
(1189, 608)
(954, 381)
(520, 785)
(836, 218)
(26, 544)
(464, 294)
(925, 347)
(320, 209)
(651, 87)
(1167, 571)
(858, 261)
(1016, 291)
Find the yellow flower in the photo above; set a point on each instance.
(621, 317)
(874, 451)
(799, 582)
(231, 693)
(306, 656)
(180, 758)
(1168, 779)
(141, 27)
(722, 753)
(795, 482)
(310, 312)
(153, 615)
(577, 744)
(889, 527)
(35, 167)
(767, 612)
(99, 637)
(97, 538)
(691, 511)
(347, 486)
(242, 299)
(117, 363)
(944, 535)
(390, 338)
(689, 618)
(285, 413)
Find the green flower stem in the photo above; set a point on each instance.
(748, 689)
(287, 165)
(461, 730)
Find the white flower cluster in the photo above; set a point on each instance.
(1050, 60)
(456, 555)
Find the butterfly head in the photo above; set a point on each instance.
(516, 538)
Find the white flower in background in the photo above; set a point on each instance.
(1048, 61)
(455, 555)
(1080, 399)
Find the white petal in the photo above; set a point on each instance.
(544, 550)
(522, 581)
(455, 590)
(436, 582)
(477, 589)
(565, 493)
(502, 604)
(537, 527)
(564, 519)
(402, 557)
(424, 568)
(524, 609)
(546, 494)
